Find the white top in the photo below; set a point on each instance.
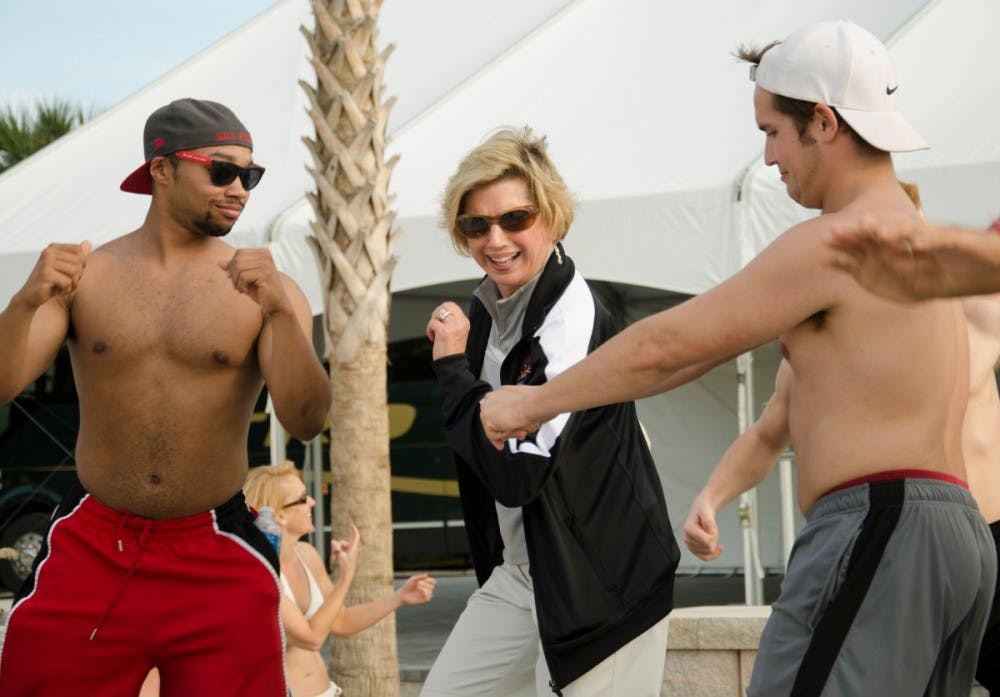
(315, 594)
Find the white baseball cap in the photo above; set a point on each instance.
(843, 66)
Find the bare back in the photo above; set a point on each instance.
(981, 429)
(877, 385)
(167, 373)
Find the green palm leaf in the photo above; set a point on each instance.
(26, 130)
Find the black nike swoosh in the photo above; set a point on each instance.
(890, 90)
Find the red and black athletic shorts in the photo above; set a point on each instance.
(113, 594)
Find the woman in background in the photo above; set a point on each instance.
(312, 606)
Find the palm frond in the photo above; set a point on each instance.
(26, 130)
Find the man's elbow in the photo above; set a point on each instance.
(9, 390)
(661, 354)
(307, 426)
(309, 420)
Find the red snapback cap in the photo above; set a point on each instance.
(185, 124)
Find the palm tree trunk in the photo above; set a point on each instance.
(352, 240)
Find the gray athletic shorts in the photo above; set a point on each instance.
(887, 593)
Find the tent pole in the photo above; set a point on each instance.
(753, 587)
(314, 454)
(787, 513)
(277, 435)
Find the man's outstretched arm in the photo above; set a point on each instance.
(787, 283)
(905, 260)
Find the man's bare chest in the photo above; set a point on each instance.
(191, 320)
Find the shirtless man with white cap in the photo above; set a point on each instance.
(895, 552)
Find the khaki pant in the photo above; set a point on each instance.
(494, 651)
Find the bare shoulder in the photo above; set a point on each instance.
(798, 251)
(108, 252)
(308, 554)
(103, 262)
(126, 252)
(290, 285)
(298, 299)
(795, 263)
(801, 253)
(127, 244)
(807, 237)
(779, 289)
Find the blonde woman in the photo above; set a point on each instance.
(312, 606)
(568, 528)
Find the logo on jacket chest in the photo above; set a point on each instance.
(524, 372)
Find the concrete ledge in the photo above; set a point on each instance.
(725, 627)
(412, 674)
(410, 689)
(711, 649)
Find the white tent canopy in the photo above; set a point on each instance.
(937, 58)
(651, 123)
(69, 191)
(649, 119)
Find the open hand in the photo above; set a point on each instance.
(899, 259)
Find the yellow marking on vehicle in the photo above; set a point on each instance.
(401, 418)
(421, 485)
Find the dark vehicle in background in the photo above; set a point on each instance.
(38, 434)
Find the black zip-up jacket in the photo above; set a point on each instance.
(600, 545)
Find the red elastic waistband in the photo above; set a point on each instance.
(101, 514)
(900, 474)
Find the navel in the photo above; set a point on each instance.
(154, 479)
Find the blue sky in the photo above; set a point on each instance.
(97, 52)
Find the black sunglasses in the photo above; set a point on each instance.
(297, 502)
(516, 220)
(223, 173)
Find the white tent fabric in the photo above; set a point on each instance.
(937, 58)
(69, 191)
(649, 119)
